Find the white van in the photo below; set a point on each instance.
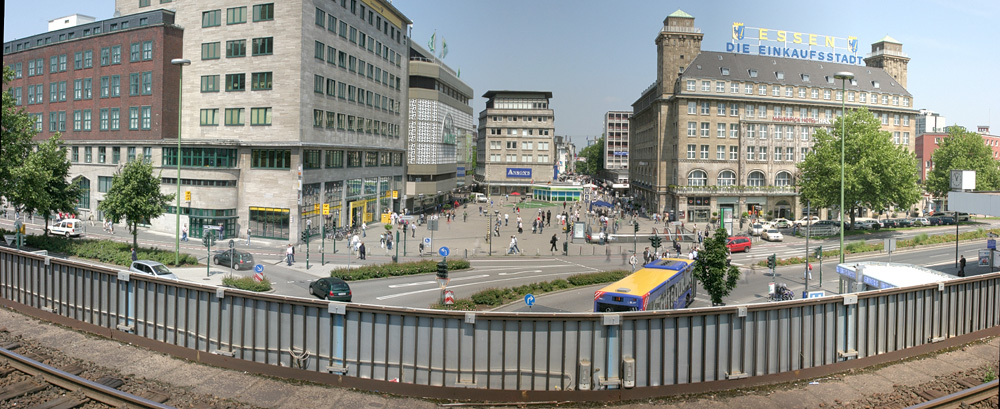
(67, 227)
(479, 198)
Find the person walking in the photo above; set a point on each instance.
(288, 254)
(134, 255)
(961, 266)
(361, 251)
(513, 245)
(553, 240)
(184, 232)
(364, 230)
(506, 216)
(248, 237)
(520, 229)
(413, 229)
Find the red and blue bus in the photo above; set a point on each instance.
(661, 285)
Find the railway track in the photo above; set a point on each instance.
(961, 399)
(27, 382)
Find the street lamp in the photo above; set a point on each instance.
(843, 76)
(180, 63)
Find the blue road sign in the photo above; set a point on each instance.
(427, 241)
(258, 268)
(991, 244)
(817, 294)
(529, 299)
(444, 252)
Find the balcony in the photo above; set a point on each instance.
(735, 190)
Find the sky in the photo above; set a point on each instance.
(597, 55)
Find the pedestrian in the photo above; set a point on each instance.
(961, 266)
(388, 243)
(646, 256)
(699, 238)
(413, 229)
(548, 217)
(513, 245)
(288, 254)
(248, 237)
(506, 216)
(361, 251)
(553, 240)
(184, 232)
(91, 219)
(520, 230)
(465, 216)
(134, 255)
(364, 230)
(534, 226)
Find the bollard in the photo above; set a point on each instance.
(467, 253)
(537, 251)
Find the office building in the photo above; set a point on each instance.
(440, 132)
(929, 122)
(515, 147)
(616, 137)
(723, 132)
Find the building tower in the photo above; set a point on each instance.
(677, 44)
(888, 55)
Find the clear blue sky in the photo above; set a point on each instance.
(595, 56)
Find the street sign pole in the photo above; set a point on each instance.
(322, 246)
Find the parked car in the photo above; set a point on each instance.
(963, 217)
(867, 224)
(782, 223)
(904, 222)
(823, 228)
(934, 221)
(67, 227)
(738, 243)
(772, 235)
(921, 221)
(756, 229)
(233, 258)
(947, 220)
(331, 288)
(153, 268)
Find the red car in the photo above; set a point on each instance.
(738, 243)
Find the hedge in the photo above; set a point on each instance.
(246, 283)
(105, 251)
(494, 297)
(395, 269)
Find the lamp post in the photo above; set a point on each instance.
(843, 76)
(180, 63)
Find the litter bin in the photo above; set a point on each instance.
(565, 248)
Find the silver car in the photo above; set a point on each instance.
(153, 268)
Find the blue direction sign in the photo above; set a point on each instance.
(991, 244)
(529, 299)
(258, 268)
(816, 294)
(427, 241)
(444, 252)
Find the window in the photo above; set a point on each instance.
(271, 159)
(78, 118)
(720, 86)
(104, 183)
(135, 54)
(116, 54)
(260, 116)
(318, 50)
(720, 152)
(720, 131)
(706, 86)
(814, 93)
(236, 48)
(734, 87)
(76, 154)
(147, 83)
(209, 83)
(762, 153)
(734, 130)
(234, 116)
(705, 108)
(790, 154)
(353, 159)
(236, 15)
(210, 51)
(114, 122)
(134, 83)
(86, 119)
(734, 153)
(210, 117)
(116, 155)
(320, 18)
(720, 109)
(211, 18)
(263, 46)
(77, 61)
(691, 151)
(692, 129)
(692, 107)
(116, 82)
(763, 130)
(235, 82)
(133, 118)
(311, 159)
(697, 178)
(734, 109)
(704, 129)
(103, 120)
(88, 61)
(263, 12)
(762, 89)
(334, 159)
(826, 94)
(783, 179)
(756, 178)
(147, 52)
(260, 81)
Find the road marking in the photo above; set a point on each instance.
(435, 282)
(520, 272)
(515, 259)
(508, 268)
(386, 297)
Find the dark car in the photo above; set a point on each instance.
(947, 220)
(903, 222)
(331, 288)
(738, 243)
(233, 258)
(935, 220)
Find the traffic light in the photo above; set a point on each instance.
(655, 242)
(305, 236)
(208, 239)
(636, 224)
(819, 252)
(772, 261)
(442, 272)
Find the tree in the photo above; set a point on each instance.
(135, 197)
(593, 156)
(18, 129)
(717, 277)
(963, 150)
(42, 185)
(877, 173)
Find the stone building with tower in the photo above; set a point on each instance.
(722, 132)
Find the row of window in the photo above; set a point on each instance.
(140, 83)
(350, 93)
(259, 81)
(727, 177)
(525, 145)
(788, 91)
(518, 132)
(356, 65)
(512, 158)
(102, 155)
(357, 37)
(512, 118)
(761, 111)
(758, 153)
(237, 48)
(335, 159)
(109, 119)
(139, 51)
(344, 122)
(236, 116)
(373, 19)
(235, 15)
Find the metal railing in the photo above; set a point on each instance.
(441, 353)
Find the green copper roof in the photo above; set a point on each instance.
(680, 13)
(888, 39)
